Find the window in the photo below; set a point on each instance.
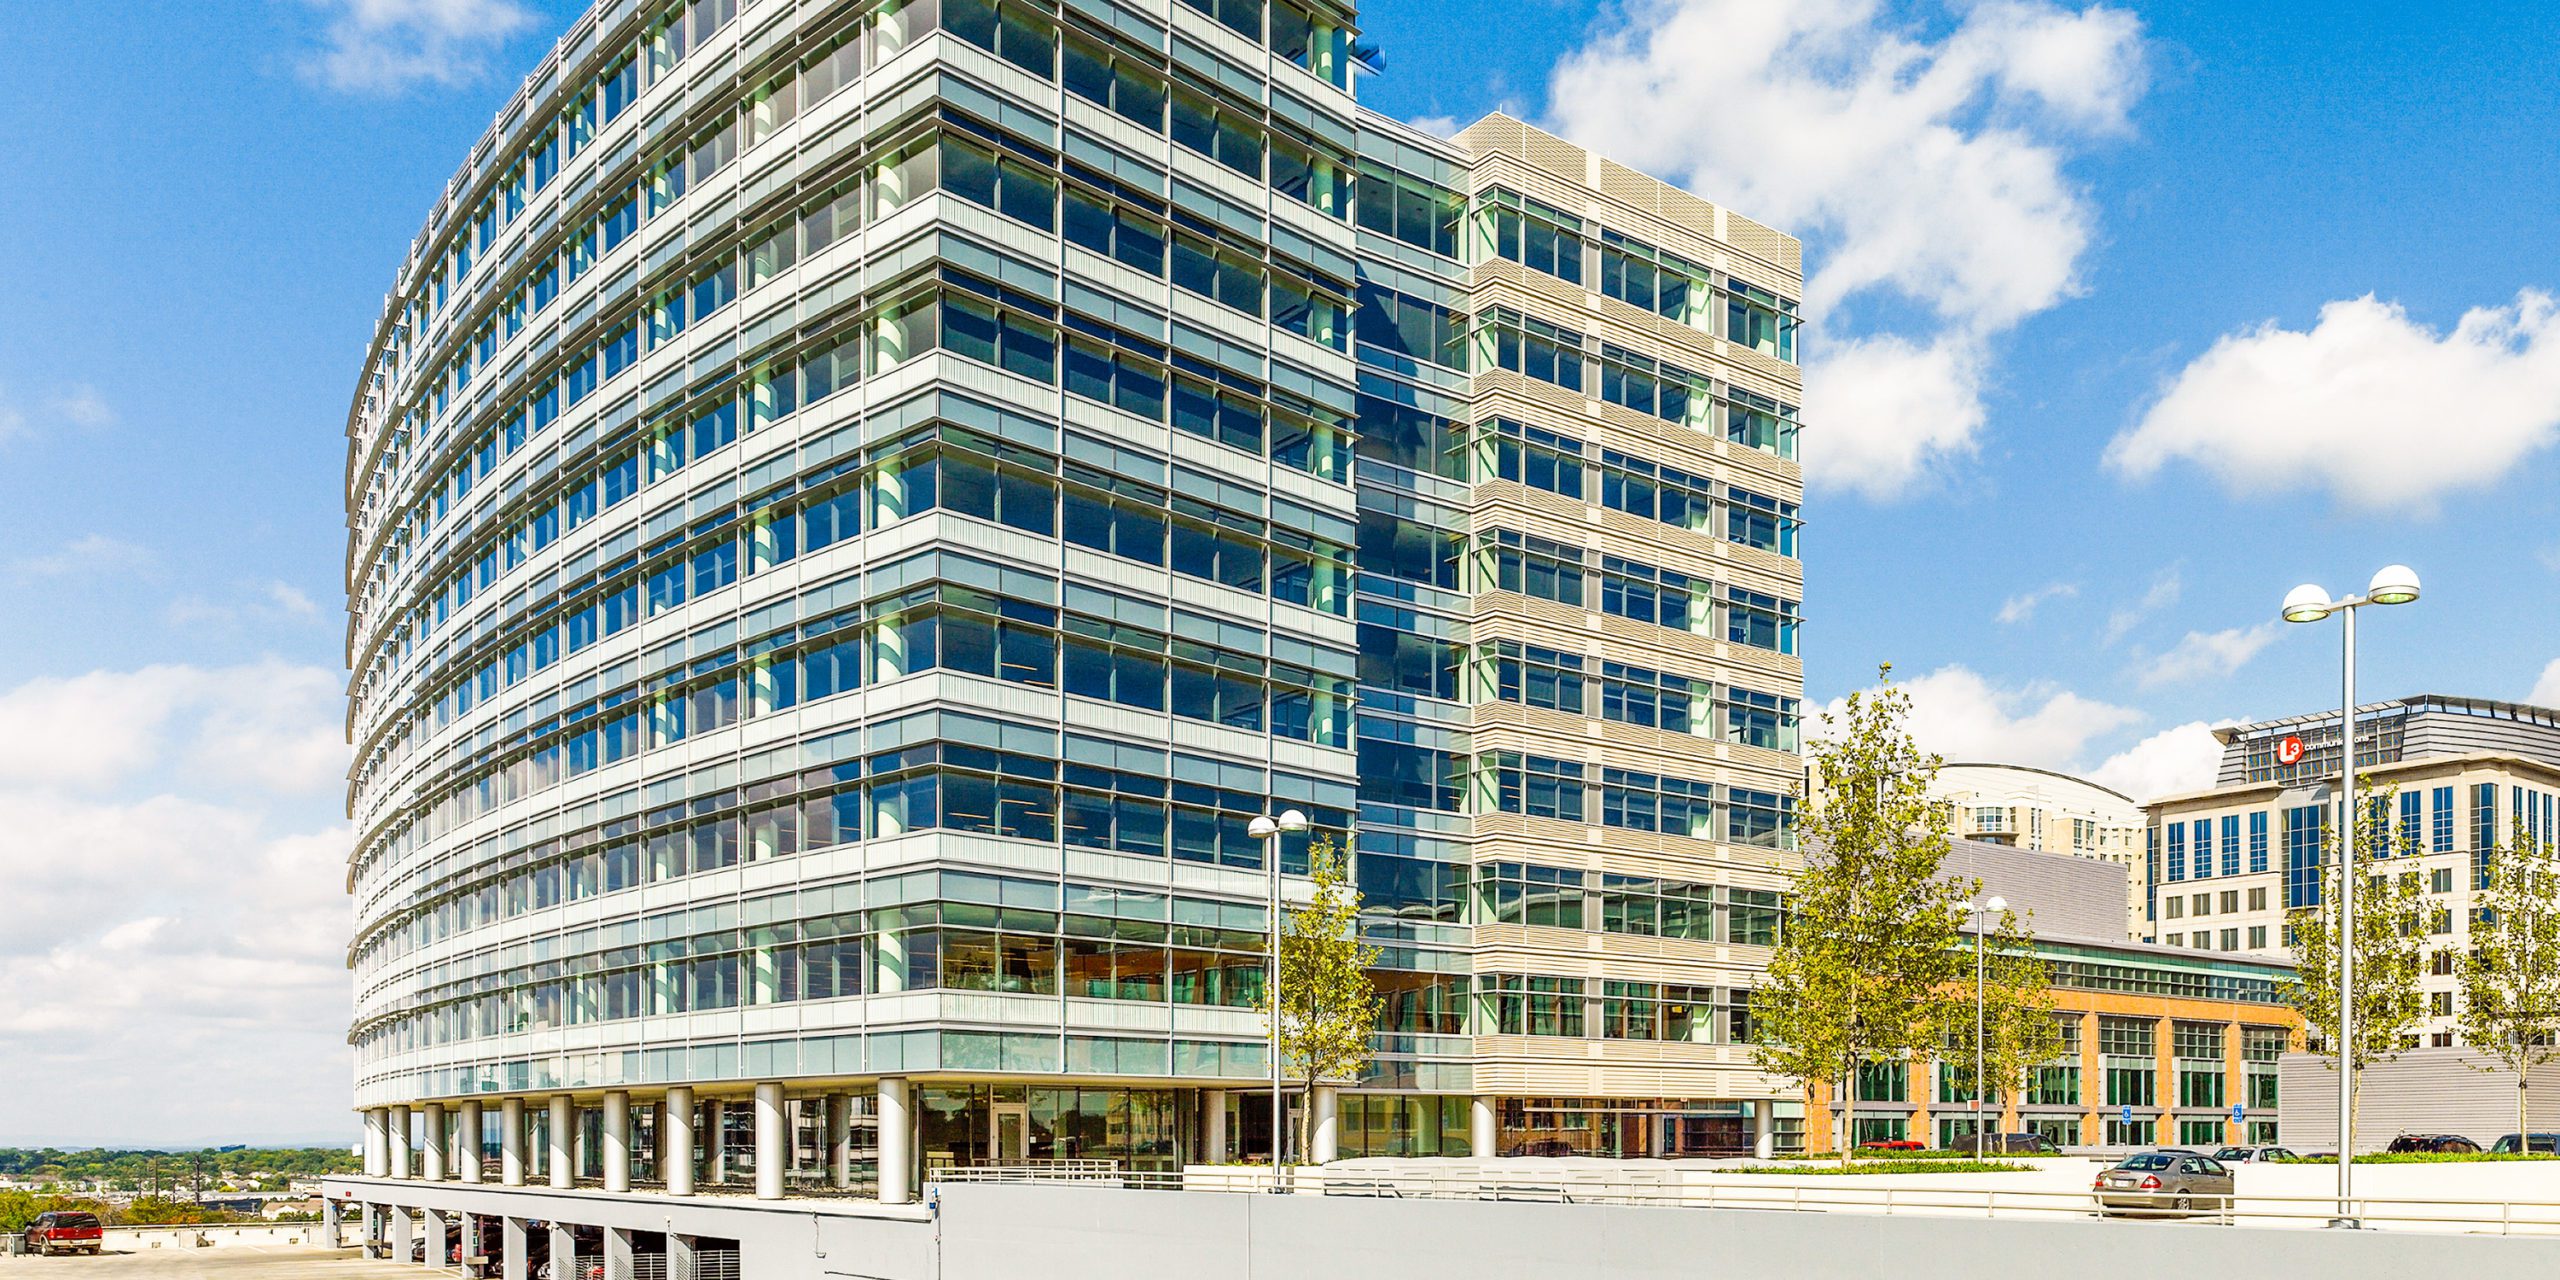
(2230, 901)
(1407, 326)
(1521, 893)
(1536, 349)
(2440, 880)
(2258, 852)
(2257, 937)
(1228, 134)
(1648, 802)
(1535, 236)
(1537, 567)
(1016, 32)
(2173, 907)
(2440, 1004)
(1408, 209)
(1128, 84)
(1536, 1006)
(1527, 674)
(2258, 898)
(1538, 458)
(2305, 827)
(1536, 786)
(1761, 621)
(1761, 320)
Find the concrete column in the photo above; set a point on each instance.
(617, 1143)
(715, 1139)
(840, 1140)
(1213, 1126)
(1327, 1137)
(377, 1142)
(467, 1144)
(675, 1154)
(513, 1260)
(434, 1143)
(1484, 1129)
(511, 1142)
(1764, 1128)
(466, 1234)
(435, 1238)
(401, 1225)
(564, 1141)
(617, 1252)
(564, 1253)
(772, 1141)
(897, 1143)
(400, 1142)
(682, 1256)
(330, 1224)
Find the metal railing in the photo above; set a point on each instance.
(1816, 1194)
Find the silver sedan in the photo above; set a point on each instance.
(2158, 1183)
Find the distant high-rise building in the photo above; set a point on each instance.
(853, 511)
(2029, 808)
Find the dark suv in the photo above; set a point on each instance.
(2543, 1143)
(2434, 1143)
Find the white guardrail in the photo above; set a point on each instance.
(1800, 1194)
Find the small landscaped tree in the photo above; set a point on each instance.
(1868, 942)
(2390, 947)
(2018, 1027)
(1328, 1003)
(2511, 975)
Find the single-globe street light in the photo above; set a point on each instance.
(1993, 905)
(1267, 830)
(2395, 584)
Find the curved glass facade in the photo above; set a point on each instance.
(854, 507)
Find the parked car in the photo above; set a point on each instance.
(65, 1231)
(1890, 1144)
(2018, 1144)
(2254, 1155)
(2437, 1143)
(2164, 1182)
(2545, 1143)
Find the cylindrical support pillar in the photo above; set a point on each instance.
(432, 1143)
(1325, 1142)
(1764, 1128)
(715, 1138)
(400, 1143)
(617, 1141)
(514, 1250)
(1483, 1129)
(466, 1144)
(377, 1142)
(897, 1138)
(771, 1146)
(511, 1142)
(675, 1156)
(840, 1140)
(563, 1141)
(1213, 1126)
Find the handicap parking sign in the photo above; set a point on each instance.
(2128, 1113)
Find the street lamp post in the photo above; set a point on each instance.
(1993, 905)
(2395, 584)
(1268, 830)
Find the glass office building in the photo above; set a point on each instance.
(854, 507)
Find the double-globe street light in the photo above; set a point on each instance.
(1268, 829)
(2395, 584)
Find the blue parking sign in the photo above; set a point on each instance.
(2235, 1113)
(2128, 1113)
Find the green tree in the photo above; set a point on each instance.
(2390, 948)
(1329, 1005)
(2019, 1031)
(1868, 944)
(2511, 976)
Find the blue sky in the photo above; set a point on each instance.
(2125, 318)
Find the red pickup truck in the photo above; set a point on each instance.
(65, 1231)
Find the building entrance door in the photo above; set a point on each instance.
(1013, 1134)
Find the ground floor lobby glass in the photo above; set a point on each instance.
(1627, 1128)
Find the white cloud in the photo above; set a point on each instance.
(2205, 654)
(78, 406)
(2164, 590)
(1958, 714)
(251, 604)
(2546, 690)
(1929, 173)
(172, 941)
(93, 553)
(269, 725)
(384, 46)
(2169, 762)
(82, 406)
(1437, 126)
(2022, 606)
(2379, 410)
